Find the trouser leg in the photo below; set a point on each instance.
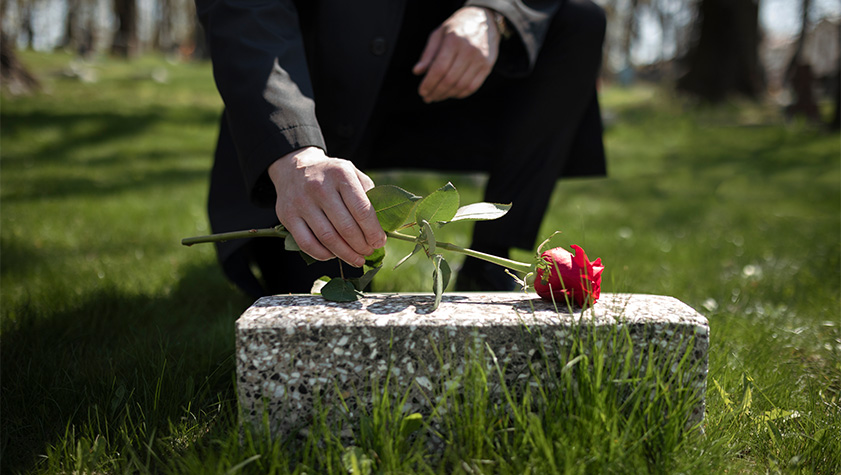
(544, 113)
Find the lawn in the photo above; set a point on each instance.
(117, 342)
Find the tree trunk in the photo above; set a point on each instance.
(200, 50)
(125, 43)
(162, 38)
(629, 33)
(798, 75)
(25, 12)
(68, 40)
(725, 57)
(13, 74)
(801, 38)
(835, 122)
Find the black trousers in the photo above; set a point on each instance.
(524, 132)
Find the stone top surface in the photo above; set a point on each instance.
(464, 309)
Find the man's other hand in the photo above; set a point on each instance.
(321, 200)
(459, 55)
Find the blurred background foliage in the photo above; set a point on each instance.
(783, 50)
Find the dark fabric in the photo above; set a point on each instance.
(535, 119)
(274, 59)
(522, 131)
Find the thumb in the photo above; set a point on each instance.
(429, 52)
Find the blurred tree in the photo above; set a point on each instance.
(14, 76)
(164, 38)
(724, 58)
(199, 41)
(79, 29)
(633, 26)
(125, 43)
(799, 76)
(835, 122)
(176, 27)
(630, 29)
(71, 25)
(25, 14)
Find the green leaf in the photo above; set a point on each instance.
(375, 259)
(340, 290)
(480, 212)
(319, 284)
(361, 282)
(441, 205)
(446, 272)
(427, 236)
(417, 248)
(440, 278)
(290, 245)
(392, 204)
(307, 258)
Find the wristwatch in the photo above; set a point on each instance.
(501, 25)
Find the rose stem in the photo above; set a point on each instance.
(500, 261)
(221, 237)
(273, 232)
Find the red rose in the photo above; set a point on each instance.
(566, 275)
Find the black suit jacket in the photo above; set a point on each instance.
(298, 73)
(273, 60)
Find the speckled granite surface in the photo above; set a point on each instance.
(291, 347)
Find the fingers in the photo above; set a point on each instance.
(458, 56)
(463, 81)
(364, 216)
(313, 230)
(307, 241)
(453, 77)
(322, 202)
(340, 218)
(429, 52)
(443, 73)
(471, 80)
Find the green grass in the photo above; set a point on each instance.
(117, 343)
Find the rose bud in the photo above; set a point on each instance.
(563, 275)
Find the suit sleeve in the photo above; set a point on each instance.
(260, 69)
(530, 20)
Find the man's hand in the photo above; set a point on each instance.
(321, 200)
(459, 55)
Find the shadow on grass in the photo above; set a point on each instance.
(18, 256)
(715, 146)
(80, 130)
(67, 187)
(101, 153)
(115, 365)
